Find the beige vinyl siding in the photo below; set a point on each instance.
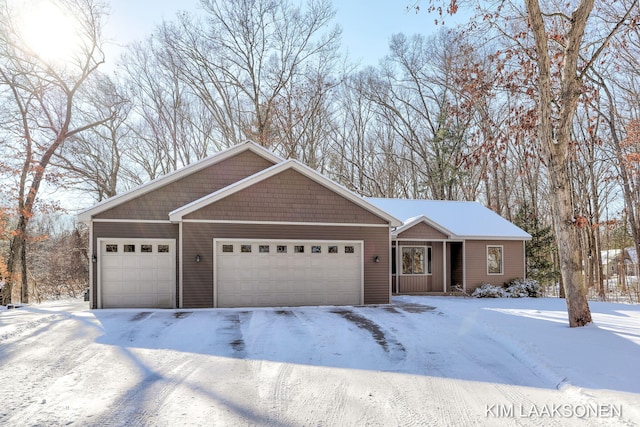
(421, 231)
(157, 204)
(198, 239)
(131, 230)
(476, 262)
(287, 197)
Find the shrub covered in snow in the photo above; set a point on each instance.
(488, 291)
(516, 288)
(522, 288)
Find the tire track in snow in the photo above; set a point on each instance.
(31, 326)
(389, 344)
(141, 404)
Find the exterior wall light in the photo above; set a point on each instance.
(94, 258)
(198, 258)
(376, 258)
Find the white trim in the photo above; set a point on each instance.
(180, 266)
(325, 241)
(140, 221)
(398, 267)
(159, 182)
(178, 214)
(425, 240)
(444, 266)
(428, 251)
(501, 260)
(390, 270)
(135, 240)
(92, 253)
(496, 238)
(524, 260)
(464, 266)
(460, 239)
(315, 224)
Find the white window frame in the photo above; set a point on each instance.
(427, 264)
(501, 273)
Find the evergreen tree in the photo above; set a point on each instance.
(540, 249)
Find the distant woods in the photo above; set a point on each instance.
(449, 114)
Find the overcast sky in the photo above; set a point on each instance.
(367, 25)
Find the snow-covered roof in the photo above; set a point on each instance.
(466, 220)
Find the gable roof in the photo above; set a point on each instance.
(457, 219)
(159, 182)
(178, 214)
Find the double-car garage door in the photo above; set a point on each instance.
(250, 273)
(137, 273)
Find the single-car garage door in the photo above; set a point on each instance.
(137, 273)
(253, 273)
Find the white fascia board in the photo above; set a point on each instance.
(452, 236)
(178, 214)
(87, 214)
(516, 238)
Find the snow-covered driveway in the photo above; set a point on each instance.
(420, 361)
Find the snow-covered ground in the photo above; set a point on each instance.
(421, 361)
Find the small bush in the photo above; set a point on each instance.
(488, 291)
(516, 288)
(522, 288)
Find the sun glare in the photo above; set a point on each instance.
(50, 32)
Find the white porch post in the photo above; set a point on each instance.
(444, 266)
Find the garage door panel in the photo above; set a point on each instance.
(111, 261)
(148, 262)
(140, 277)
(112, 275)
(281, 277)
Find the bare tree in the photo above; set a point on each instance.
(93, 161)
(556, 51)
(250, 57)
(41, 101)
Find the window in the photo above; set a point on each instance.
(146, 248)
(112, 248)
(227, 248)
(316, 249)
(416, 260)
(264, 249)
(245, 248)
(494, 260)
(163, 248)
(349, 250)
(333, 249)
(281, 249)
(129, 248)
(298, 249)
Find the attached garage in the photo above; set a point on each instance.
(251, 273)
(241, 228)
(136, 273)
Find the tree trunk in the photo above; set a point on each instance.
(24, 290)
(566, 228)
(554, 139)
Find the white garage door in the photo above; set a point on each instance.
(287, 273)
(137, 273)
